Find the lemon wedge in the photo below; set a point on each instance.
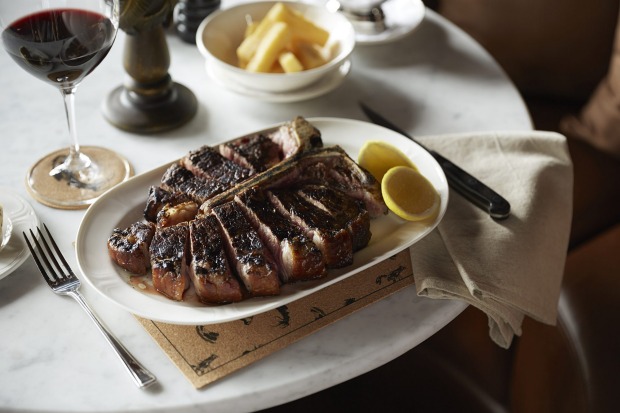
(377, 157)
(408, 194)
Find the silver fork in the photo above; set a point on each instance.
(63, 281)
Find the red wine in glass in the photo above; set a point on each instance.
(61, 46)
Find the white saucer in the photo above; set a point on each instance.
(23, 217)
(323, 86)
(401, 18)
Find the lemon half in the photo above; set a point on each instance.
(377, 157)
(408, 194)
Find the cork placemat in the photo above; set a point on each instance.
(207, 353)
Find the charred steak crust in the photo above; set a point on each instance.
(129, 247)
(252, 261)
(169, 260)
(209, 164)
(158, 197)
(334, 242)
(255, 152)
(329, 166)
(209, 270)
(298, 258)
(349, 213)
(179, 179)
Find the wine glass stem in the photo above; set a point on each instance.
(68, 95)
(77, 168)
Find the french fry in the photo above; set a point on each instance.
(249, 45)
(251, 28)
(290, 63)
(306, 30)
(283, 41)
(309, 55)
(270, 47)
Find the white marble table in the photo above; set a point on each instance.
(437, 80)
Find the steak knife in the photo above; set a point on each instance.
(461, 181)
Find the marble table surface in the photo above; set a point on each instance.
(436, 80)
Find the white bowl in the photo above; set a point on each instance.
(220, 34)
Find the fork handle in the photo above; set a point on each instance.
(140, 375)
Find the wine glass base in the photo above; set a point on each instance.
(63, 192)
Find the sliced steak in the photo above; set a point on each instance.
(169, 250)
(296, 136)
(252, 261)
(349, 213)
(209, 270)
(298, 258)
(158, 197)
(179, 179)
(255, 152)
(129, 247)
(209, 164)
(172, 214)
(334, 242)
(324, 166)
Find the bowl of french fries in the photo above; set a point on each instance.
(275, 46)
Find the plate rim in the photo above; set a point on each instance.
(182, 314)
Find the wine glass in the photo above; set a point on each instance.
(61, 42)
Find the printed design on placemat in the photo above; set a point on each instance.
(205, 365)
(392, 276)
(283, 317)
(207, 335)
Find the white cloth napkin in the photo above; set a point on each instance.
(510, 268)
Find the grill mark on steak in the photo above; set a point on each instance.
(335, 243)
(180, 179)
(255, 152)
(129, 247)
(349, 213)
(209, 164)
(168, 250)
(209, 270)
(298, 258)
(253, 263)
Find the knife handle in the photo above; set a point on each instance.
(474, 190)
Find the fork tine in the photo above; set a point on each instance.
(61, 273)
(58, 253)
(37, 260)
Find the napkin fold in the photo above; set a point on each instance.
(511, 268)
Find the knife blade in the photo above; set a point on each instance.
(460, 180)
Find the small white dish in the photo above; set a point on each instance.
(22, 218)
(319, 88)
(401, 18)
(219, 35)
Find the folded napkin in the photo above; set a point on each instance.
(510, 268)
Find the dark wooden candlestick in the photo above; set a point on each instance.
(149, 101)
